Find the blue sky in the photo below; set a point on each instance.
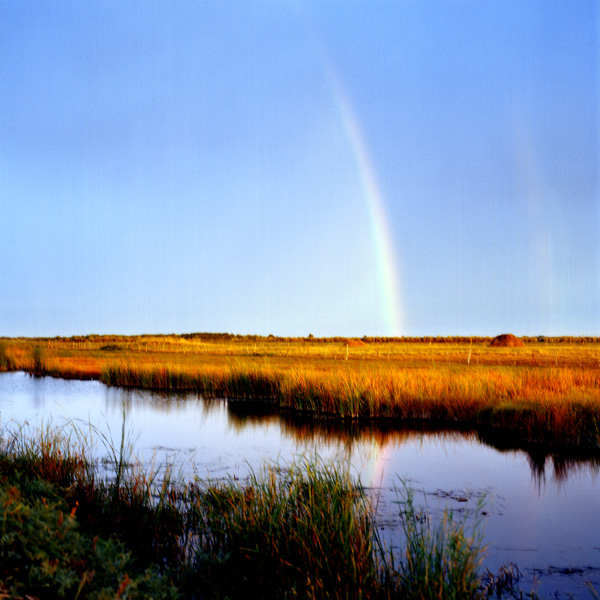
(291, 167)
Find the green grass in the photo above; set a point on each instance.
(305, 530)
(443, 559)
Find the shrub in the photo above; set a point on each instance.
(43, 553)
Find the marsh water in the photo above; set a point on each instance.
(541, 511)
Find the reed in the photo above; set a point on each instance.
(443, 559)
(304, 530)
(228, 382)
(7, 362)
(38, 360)
(593, 591)
(307, 532)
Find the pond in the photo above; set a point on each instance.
(541, 511)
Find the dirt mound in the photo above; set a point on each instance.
(506, 340)
(354, 342)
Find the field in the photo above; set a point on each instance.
(546, 392)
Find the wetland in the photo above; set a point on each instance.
(541, 509)
(507, 438)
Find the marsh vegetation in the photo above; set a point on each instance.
(299, 530)
(545, 392)
(544, 396)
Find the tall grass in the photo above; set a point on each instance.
(38, 360)
(550, 406)
(230, 382)
(442, 560)
(7, 362)
(304, 530)
(307, 531)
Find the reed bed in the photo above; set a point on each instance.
(307, 529)
(544, 393)
(546, 406)
(304, 530)
(7, 362)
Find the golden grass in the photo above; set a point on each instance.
(544, 392)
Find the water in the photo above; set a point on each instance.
(541, 512)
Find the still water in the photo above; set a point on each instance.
(541, 512)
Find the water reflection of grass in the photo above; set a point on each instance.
(543, 461)
(306, 530)
(547, 392)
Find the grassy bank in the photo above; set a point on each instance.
(304, 531)
(553, 407)
(547, 392)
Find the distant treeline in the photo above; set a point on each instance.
(233, 338)
(536, 339)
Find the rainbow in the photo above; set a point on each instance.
(387, 269)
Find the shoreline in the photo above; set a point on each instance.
(524, 398)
